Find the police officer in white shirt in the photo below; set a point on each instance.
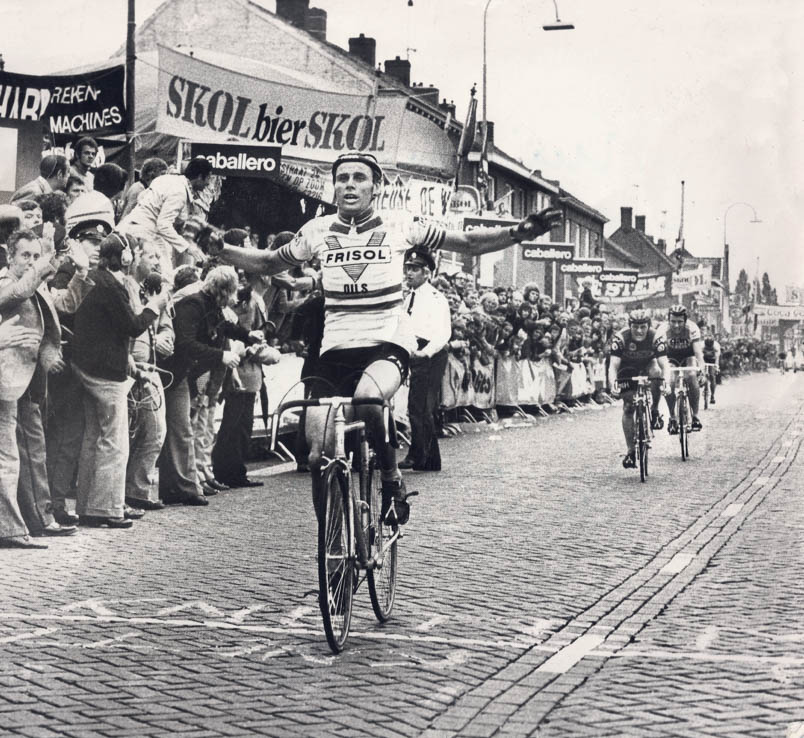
(428, 312)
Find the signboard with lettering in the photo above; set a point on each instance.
(427, 200)
(473, 223)
(534, 251)
(687, 281)
(582, 266)
(236, 160)
(619, 276)
(68, 104)
(646, 286)
(200, 100)
(779, 312)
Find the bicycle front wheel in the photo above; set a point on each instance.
(642, 442)
(383, 544)
(336, 569)
(683, 419)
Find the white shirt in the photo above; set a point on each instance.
(429, 318)
(167, 200)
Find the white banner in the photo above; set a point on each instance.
(692, 280)
(427, 200)
(779, 312)
(204, 102)
(794, 295)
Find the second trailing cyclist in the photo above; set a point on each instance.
(638, 351)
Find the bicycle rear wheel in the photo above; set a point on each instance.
(705, 390)
(336, 569)
(382, 578)
(642, 442)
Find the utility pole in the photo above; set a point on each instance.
(130, 107)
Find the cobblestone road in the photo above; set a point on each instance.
(544, 591)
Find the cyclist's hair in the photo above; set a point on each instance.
(359, 157)
(639, 316)
(677, 311)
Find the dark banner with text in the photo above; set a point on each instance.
(235, 160)
(619, 276)
(70, 104)
(582, 266)
(533, 251)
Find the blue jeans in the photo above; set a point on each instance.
(104, 452)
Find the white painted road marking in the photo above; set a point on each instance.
(732, 510)
(570, 655)
(204, 607)
(678, 563)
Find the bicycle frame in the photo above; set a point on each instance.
(358, 545)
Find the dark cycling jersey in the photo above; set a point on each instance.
(635, 357)
(710, 349)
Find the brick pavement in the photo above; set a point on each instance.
(200, 622)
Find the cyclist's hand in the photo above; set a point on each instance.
(536, 224)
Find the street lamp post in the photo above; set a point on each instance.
(726, 318)
(557, 26)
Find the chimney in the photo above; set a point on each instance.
(317, 23)
(399, 69)
(364, 48)
(640, 223)
(293, 11)
(428, 94)
(448, 108)
(625, 218)
(662, 244)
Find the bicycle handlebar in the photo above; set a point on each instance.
(335, 402)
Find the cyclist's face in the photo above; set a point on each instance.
(677, 323)
(354, 188)
(639, 331)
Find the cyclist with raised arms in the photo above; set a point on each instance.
(637, 351)
(367, 339)
(711, 356)
(684, 347)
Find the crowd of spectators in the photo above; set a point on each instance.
(118, 339)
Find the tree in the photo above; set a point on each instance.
(768, 293)
(742, 288)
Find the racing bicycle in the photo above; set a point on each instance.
(643, 433)
(683, 409)
(354, 542)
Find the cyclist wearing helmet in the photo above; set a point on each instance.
(637, 351)
(367, 340)
(711, 355)
(684, 348)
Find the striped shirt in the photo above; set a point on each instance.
(362, 272)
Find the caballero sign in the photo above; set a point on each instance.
(582, 266)
(619, 276)
(70, 104)
(235, 160)
(532, 251)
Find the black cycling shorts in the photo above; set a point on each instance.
(338, 371)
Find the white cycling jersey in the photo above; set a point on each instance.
(680, 345)
(362, 265)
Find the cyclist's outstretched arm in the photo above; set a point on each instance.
(487, 240)
(697, 347)
(253, 261)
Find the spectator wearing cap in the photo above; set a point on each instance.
(25, 504)
(89, 220)
(151, 169)
(429, 318)
(104, 325)
(168, 199)
(84, 153)
(53, 173)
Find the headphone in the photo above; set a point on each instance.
(127, 254)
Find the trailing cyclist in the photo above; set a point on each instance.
(638, 351)
(711, 357)
(367, 339)
(684, 348)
